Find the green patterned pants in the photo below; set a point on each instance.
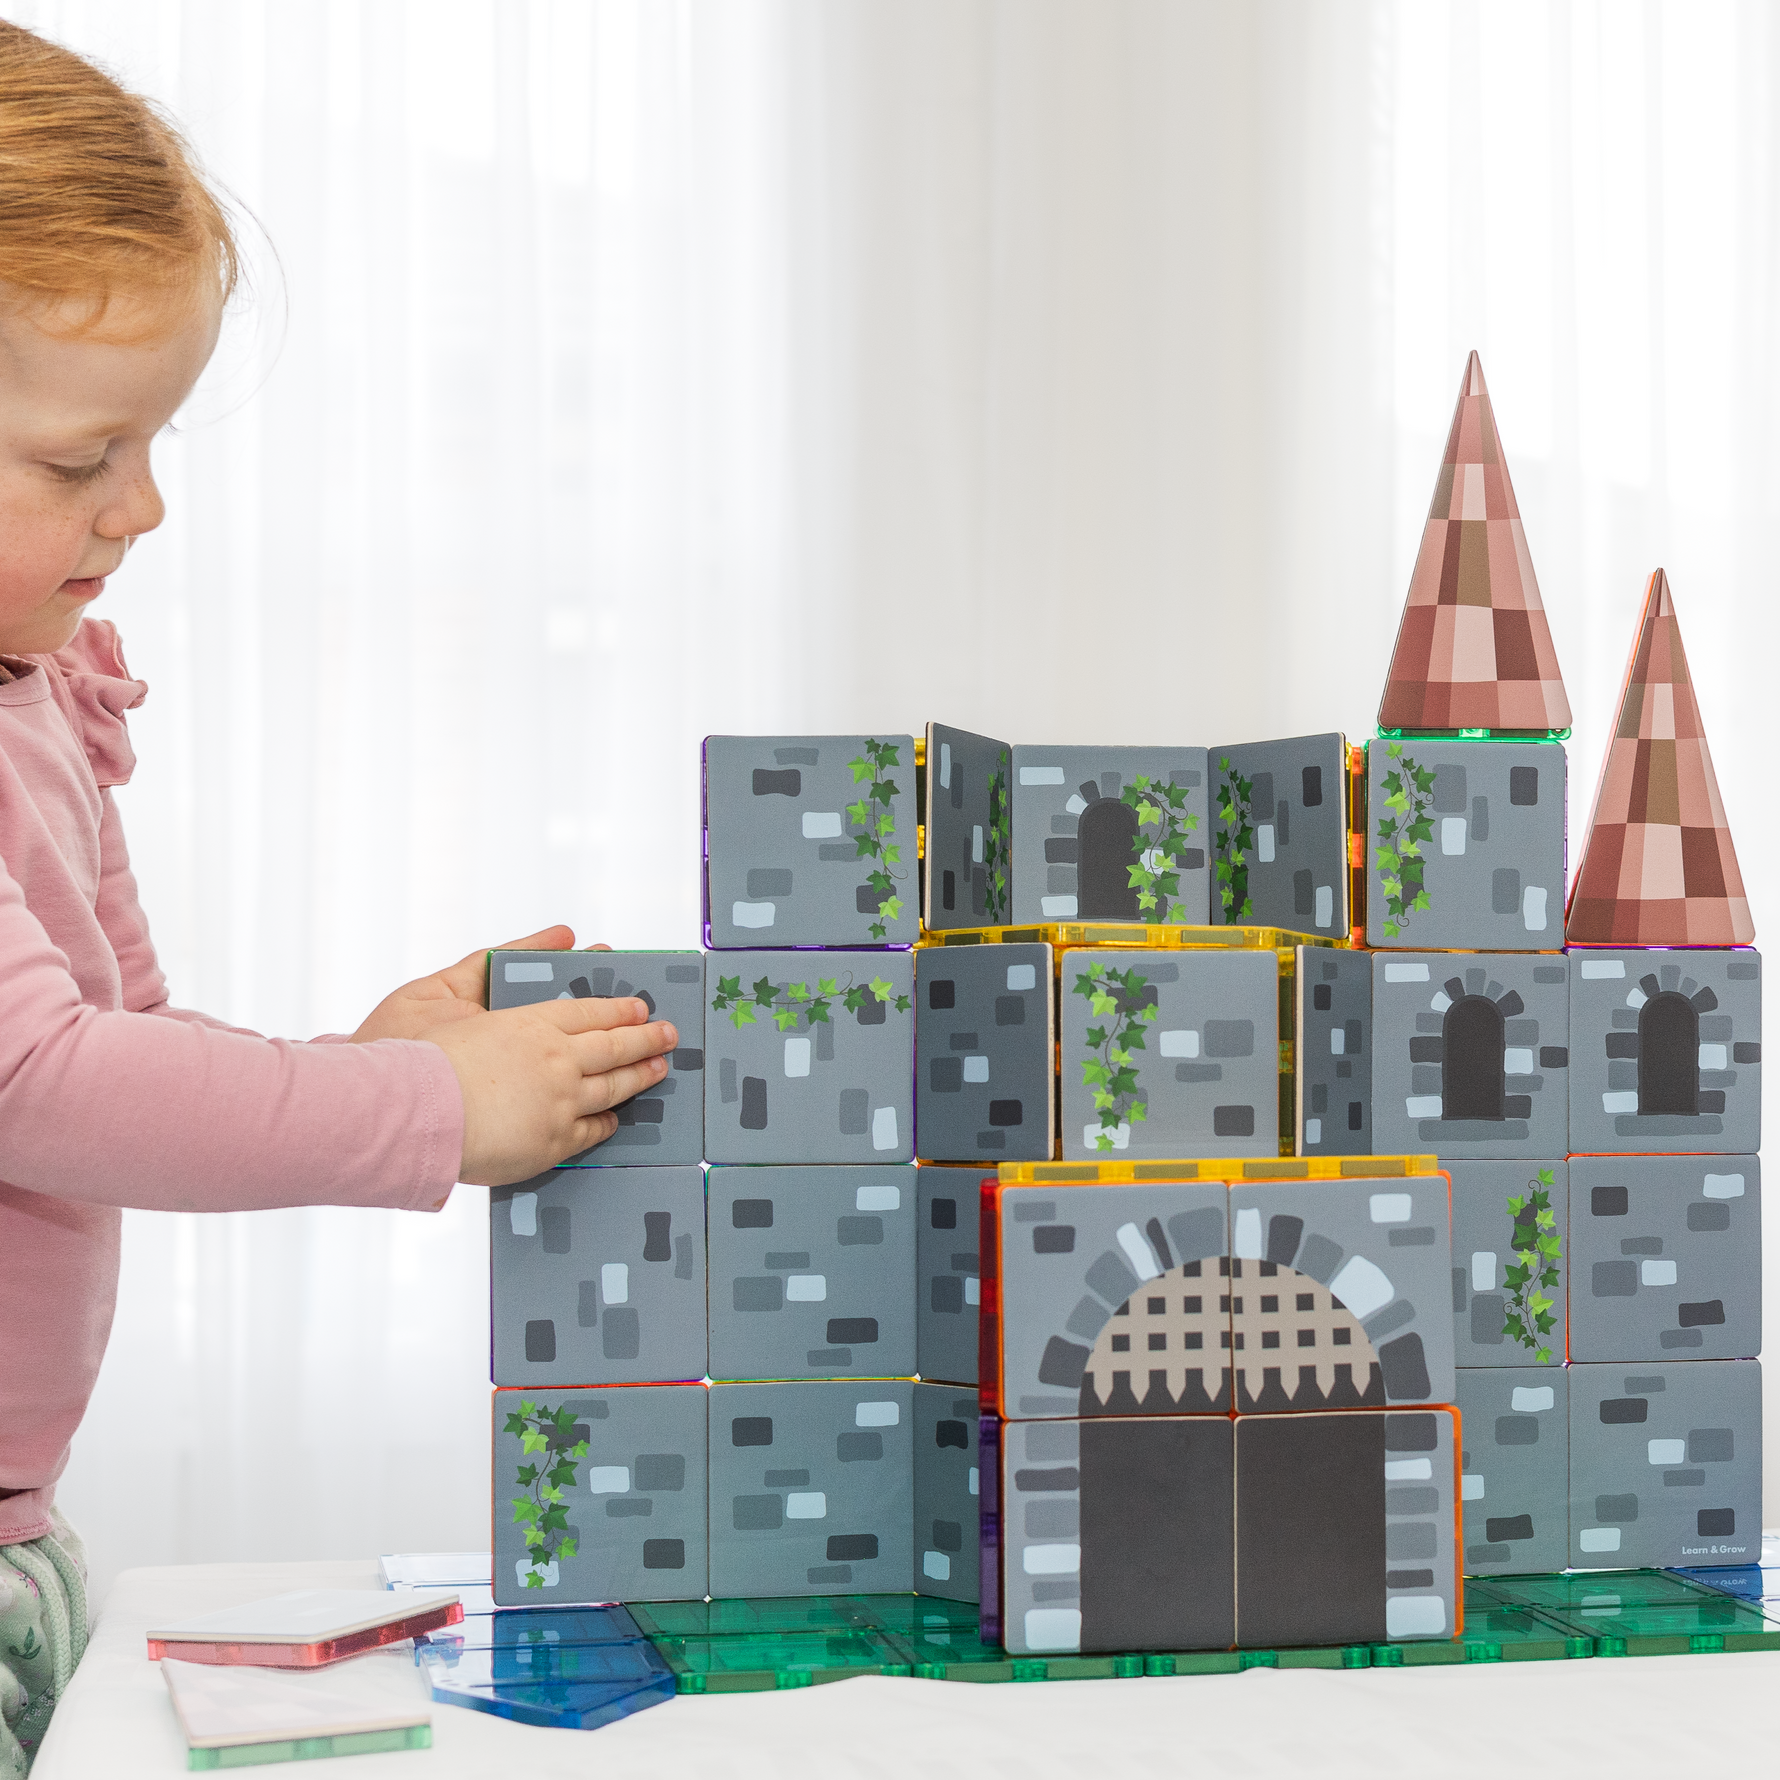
(43, 1634)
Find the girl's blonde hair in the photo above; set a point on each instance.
(101, 199)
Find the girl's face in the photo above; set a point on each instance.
(77, 418)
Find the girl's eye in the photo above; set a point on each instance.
(79, 475)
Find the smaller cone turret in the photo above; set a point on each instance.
(1658, 866)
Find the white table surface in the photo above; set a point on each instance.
(1650, 1715)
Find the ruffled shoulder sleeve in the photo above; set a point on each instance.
(97, 686)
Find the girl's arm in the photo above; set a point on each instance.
(180, 1114)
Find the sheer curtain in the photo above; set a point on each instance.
(1066, 368)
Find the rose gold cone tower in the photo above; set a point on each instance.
(1658, 867)
(1474, 650)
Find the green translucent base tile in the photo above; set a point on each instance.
(1680, 1628)
(739, 1663)
(1338, 1656)
(1594, 1593)
(1514, 1636)
(762, 1617)
(919, 1616)
(1196, 1662)
(1505, 1635)
(254, 1755)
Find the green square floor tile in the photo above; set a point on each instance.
(1677, 1628)
(1593, 1593)
(739, 1663)
(757, 1617)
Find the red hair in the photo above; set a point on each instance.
(101, 199)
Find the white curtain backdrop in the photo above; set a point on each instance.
(1069, 369)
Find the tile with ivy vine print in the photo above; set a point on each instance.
(966, 869)
(810, 841)
(1510, 1261)
(664, 1126)
(1170, 1053)
(1465, 845)
(985, 1066)
(599, 1495)
(1470, 1054)
(1279, 835)
(1111, 834)
(1516, 1458)
(810, 1057)
(1667, 1257)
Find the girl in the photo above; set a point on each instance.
(115, 264)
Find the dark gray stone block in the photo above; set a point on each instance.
(947, 1274)
(665, 1125)
(847, 1525)
(812, 1272)
(1448, 1074)
(618, 1296)
(1515, 1422)
(1332, 993)
(947, 1535)
(1665, 1050)
(1669, 1252)
(1684, 1438)
(985, 1072)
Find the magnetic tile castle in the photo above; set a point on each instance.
(1195, 1199)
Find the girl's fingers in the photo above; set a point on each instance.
(601, 1091)
(598, 1052)
(592, 1128)
(589, 1015)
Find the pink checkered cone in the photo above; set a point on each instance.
(1658, 867)
(1474, 650)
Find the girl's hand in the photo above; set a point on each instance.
(450, 994)
(538, 1082)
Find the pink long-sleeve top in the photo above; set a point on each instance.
(110, 1098)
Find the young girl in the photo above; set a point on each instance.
(115, 264)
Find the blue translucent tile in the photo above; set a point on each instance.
(576, 1685)
(1748, 1582)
